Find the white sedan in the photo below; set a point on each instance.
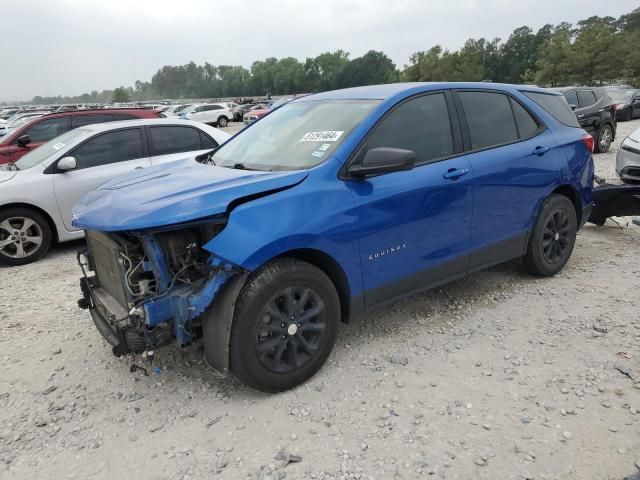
(38, 192)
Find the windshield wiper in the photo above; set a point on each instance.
(240, 166)
(12, 163)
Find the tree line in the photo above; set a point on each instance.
(595, 51)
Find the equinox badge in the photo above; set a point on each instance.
(387, 251)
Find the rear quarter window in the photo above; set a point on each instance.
(489, 118)
(556, 106)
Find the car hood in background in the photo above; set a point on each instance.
(259, 113)
(634, 136)
(173, 193)
(6, 174)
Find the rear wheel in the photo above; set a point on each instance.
(552, 238)
(223, 121)
(605, 137)
(284, 326)
(25, 236)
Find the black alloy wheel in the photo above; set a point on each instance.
(284, 326)
(556, 236)
(553, 236)
(290, 329)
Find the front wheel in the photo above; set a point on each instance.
(605, 137)
(25, 236)
(284, 327)
(223, 121)
(553, 237)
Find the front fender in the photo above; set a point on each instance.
(315, 214)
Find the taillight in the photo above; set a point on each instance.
(614, 107)
(588, 141)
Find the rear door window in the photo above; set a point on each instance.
(82, 120)
(47, 129)
(420, 125)
(586, 98)
(111, 147)
(572, 98)
(124, 116)
(173, 139)
(489, 118)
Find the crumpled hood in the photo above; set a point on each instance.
(172, 193)
(6, 174)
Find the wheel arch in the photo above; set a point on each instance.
(331, 268)
(44, 213)
(572, 194)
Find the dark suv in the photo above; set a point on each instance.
(33, 134)
(596, 112)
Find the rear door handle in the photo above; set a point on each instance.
(541, 150)
(455, 173)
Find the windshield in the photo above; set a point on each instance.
(189, 109)
(22, 120)
(620, 96)
(280, 102)
(40, 154)
(295, 137)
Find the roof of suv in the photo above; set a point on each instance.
(141, 112)
(387, 91)
(103, 127)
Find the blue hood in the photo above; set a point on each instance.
(172, 193)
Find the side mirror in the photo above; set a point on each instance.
(66, 163)
(24, 140)
(384, 160)
(573, 107)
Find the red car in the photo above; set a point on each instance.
(33, 134)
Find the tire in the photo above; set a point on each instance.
(604, 138)
(553, 237)
(25, 236)
(277, 343)
(222, 121)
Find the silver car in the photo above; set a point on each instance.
(628, 158)
(38, 192)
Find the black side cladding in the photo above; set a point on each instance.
(614, 201)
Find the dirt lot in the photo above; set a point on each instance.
(497, 376)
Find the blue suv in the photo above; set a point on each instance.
(332, 205)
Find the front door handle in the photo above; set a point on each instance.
(455, 173)
(541, 150)
(138, 168)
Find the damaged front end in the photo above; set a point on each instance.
(148, 288)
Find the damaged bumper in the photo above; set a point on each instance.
(139, 299)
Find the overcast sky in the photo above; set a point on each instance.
(69, 47)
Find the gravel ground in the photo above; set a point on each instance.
(497, 376)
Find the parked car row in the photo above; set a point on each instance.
(43, 128)
(39, 189)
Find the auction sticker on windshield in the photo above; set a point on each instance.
(327, 136)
